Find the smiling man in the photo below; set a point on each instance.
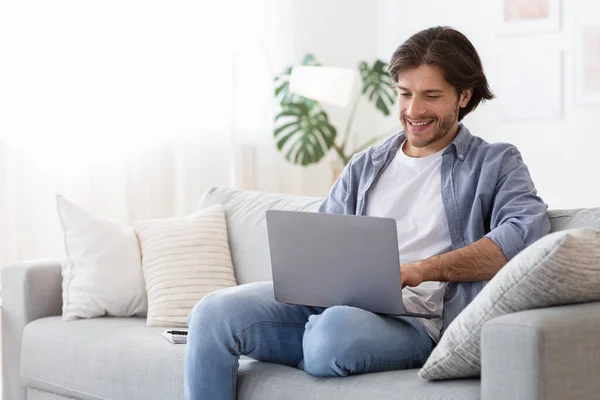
(463, 208)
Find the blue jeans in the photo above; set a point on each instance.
(337, 341)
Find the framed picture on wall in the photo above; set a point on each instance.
(587, 60)
(528, 16)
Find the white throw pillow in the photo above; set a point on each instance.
(102, 274)
(561, 268)
(183, 260)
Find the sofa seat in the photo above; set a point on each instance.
(121, 358)
(257, 380)
(101, 358)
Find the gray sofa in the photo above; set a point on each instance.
(549, 353)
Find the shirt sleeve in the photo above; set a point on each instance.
(339, 195)
(519, 216)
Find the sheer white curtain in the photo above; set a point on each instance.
(132, 108)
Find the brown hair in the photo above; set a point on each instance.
(451, 51)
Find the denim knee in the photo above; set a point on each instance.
(226, 312)
(329, 343)
(216, 312)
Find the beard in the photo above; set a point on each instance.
(441, 127)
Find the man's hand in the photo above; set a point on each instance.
(411, 274)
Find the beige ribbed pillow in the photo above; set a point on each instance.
(183, 260)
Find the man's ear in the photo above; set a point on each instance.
(464, 97)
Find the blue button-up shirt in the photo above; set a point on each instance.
(486, 191)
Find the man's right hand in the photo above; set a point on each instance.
(411, 274)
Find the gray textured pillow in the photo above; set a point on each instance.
(561, 268)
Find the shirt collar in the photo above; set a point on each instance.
(461, 142)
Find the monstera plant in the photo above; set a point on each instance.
(303, 131)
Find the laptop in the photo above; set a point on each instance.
(324, 260)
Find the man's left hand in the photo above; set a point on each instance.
(412, 274)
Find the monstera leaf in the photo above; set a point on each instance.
(377, 85)
(282, 81)
(304, 132)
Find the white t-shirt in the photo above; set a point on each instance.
(409, 190)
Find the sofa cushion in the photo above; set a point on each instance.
(121, 358)
(264, 381)
(561, 220)
(560, 268)
(101, 358)
(245, 212)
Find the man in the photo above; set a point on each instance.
(463, 209)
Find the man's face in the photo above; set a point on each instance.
(429, 106)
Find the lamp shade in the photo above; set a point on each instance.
(327, 85)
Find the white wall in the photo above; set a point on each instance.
(339, 33)
(562, 155)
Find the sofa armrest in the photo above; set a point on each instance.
(543, 354)
(30, 290)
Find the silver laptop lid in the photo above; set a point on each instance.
(324, 260)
